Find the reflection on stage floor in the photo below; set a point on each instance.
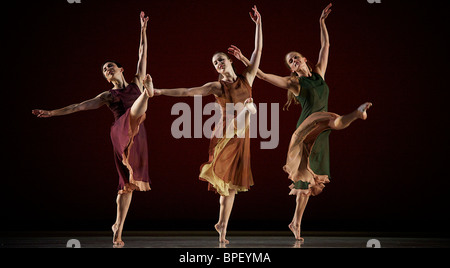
(209, 240)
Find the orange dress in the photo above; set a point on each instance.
(229, 155)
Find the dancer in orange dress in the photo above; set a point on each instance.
(228, 170)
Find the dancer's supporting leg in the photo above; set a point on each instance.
(226, 202)
(295, 226)
(123, 204)
(226, 205)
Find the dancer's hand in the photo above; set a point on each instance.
(42, 113)
(251, 107)
(144, 20)
(326, 12)
(148, 85)
(236, 52)
(256, 17)
(248, 100)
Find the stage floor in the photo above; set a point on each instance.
(208, 240)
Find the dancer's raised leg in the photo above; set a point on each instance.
(226, 205)
(140, 105)
(344, 121)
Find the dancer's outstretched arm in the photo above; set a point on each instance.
(278, 81)
(253, 64)
(205, 90)
(142, 62)
(94, 103)
(321, 66)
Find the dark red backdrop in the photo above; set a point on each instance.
(388, 172)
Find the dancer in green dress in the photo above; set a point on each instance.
(308, 161)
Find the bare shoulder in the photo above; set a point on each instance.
(215, 88)
(319, 71)
(105, 97)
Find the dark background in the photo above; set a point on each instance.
(388, 173)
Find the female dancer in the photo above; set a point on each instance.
(228, 169)
(308, 163)
(128, 102)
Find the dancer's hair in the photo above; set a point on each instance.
(290, 96)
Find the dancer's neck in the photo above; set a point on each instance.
(229, 77)
(304, 73)
(118, 84)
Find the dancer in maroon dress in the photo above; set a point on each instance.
(128, 102)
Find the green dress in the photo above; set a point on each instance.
(314, 98)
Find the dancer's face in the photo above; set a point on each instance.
(296, 61)
(111, 71)
(222, 63)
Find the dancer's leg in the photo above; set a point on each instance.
(295, 226)
(140, 105)
(344, 121)
(226, 205)
(123, 204)
(123, 200)
(226, 202)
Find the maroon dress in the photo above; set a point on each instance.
(129, 140)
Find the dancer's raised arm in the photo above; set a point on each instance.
(94, 103)
(253, 65)
(282, 82)
(205, 90)
(322, 64)
(142, 62)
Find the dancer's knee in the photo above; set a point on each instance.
(337, 123)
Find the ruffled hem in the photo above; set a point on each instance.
(134, 184)
(297, 163)
(220, 187)
(295, 191)
(216, 183)
(313, 188)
